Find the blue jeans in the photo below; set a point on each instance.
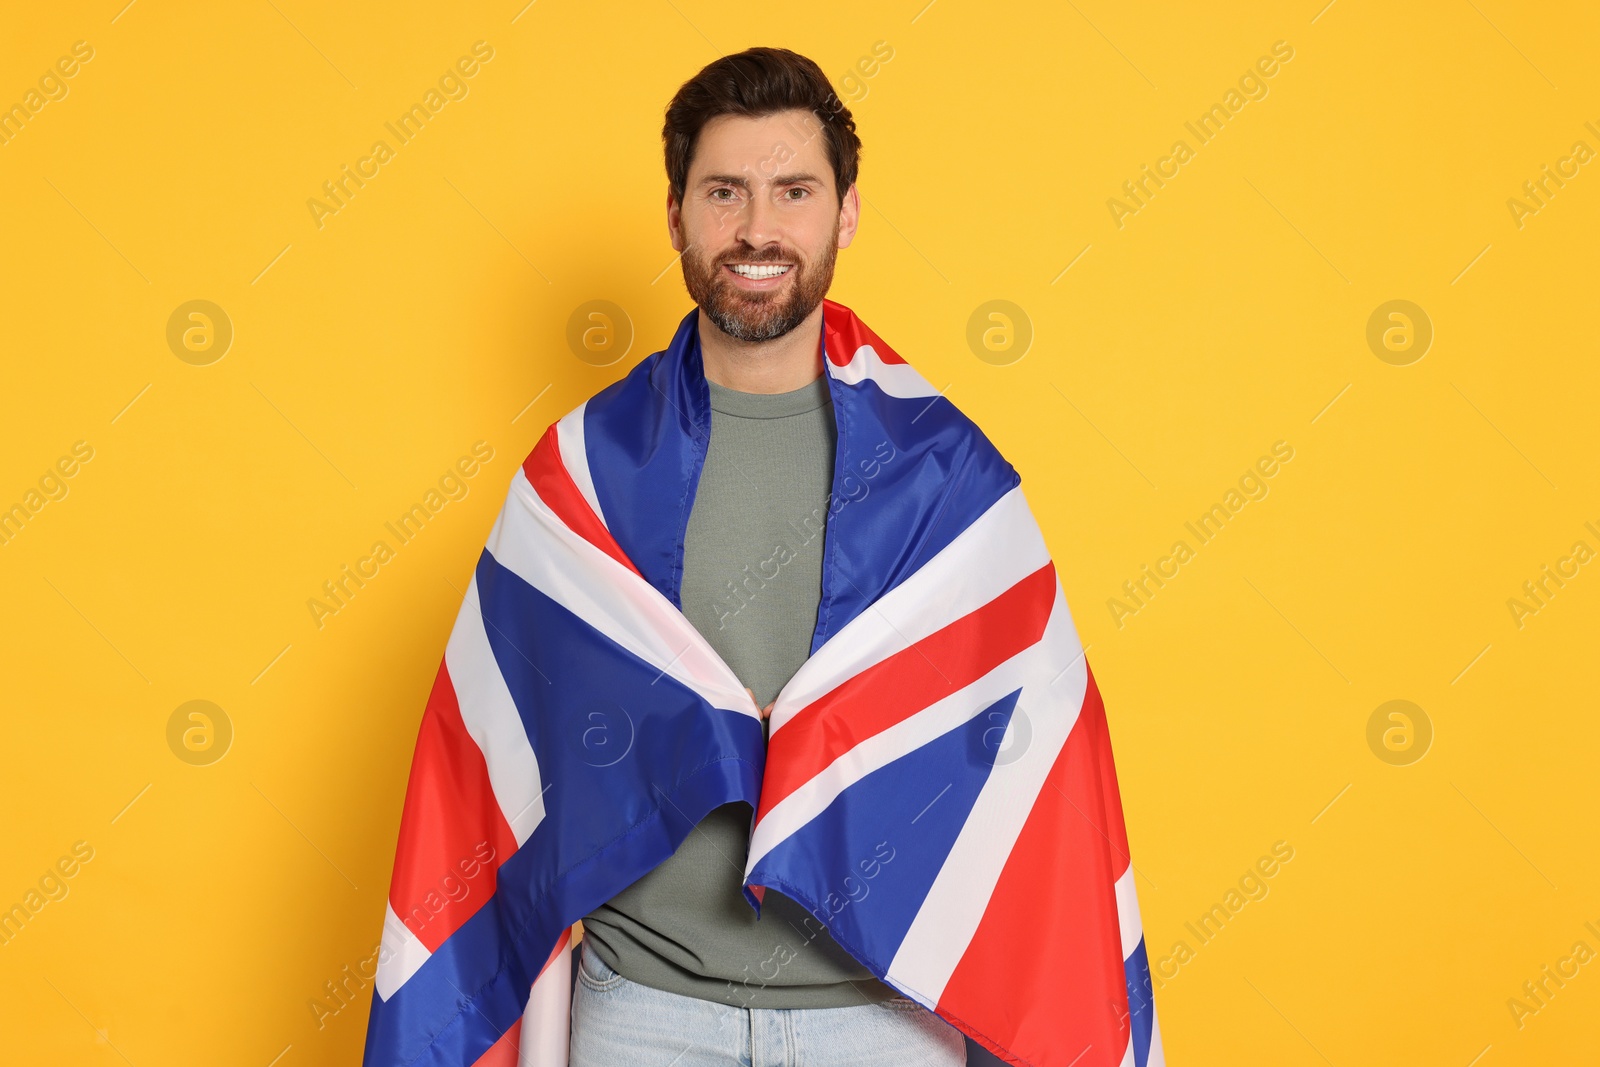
(617, 1022)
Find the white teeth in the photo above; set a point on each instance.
(747, 270)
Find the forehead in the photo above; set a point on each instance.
(781, 143)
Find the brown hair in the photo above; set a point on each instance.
(755, 83)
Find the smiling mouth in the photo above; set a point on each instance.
(759, 271)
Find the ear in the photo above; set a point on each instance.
(674, 221)
(849, 216)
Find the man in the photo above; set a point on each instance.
(761, 159)
(764, 678)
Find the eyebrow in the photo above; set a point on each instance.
(740, 181)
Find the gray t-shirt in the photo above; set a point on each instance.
(752, 583)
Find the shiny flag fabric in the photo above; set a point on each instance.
(938, 787)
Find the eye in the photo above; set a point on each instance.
(797, 189)
(720, 189)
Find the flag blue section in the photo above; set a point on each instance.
(1141, 1003)
(631, 759)
(609, 730)
(645, 436)
(932, 474)
(916, 466)
(865, 864)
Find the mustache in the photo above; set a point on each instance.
(758, 258)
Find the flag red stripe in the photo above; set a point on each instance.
(905, 683)
(1065, 951)
(505, 1052)
(453, 836)
(553, 482)
(845, 333)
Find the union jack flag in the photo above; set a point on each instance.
(938, 786)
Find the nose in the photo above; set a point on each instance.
(758, 224)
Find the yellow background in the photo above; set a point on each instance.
(1230, 312)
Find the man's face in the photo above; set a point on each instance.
(761, 223)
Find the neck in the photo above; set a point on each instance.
(776, 366)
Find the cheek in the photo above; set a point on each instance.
(820, 249)
(715, 218)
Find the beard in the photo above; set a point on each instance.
(754, 317)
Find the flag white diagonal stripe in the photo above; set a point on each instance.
(881, 749)
(399, 954)
(575, 456)
(896, 379)
(547, 1019)
(490, 716)
(949, 916)
(999, 549)
(531, 541)
(1128, 912)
